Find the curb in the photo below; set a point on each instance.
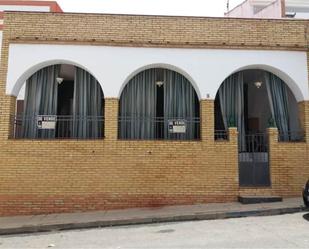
(149, 220)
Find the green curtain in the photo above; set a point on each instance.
(278, 99)
(87, 106)
(40, 99)
(137, 108)
(180, 101)
(231, 95)
(139, 104)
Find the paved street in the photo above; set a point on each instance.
(285, 231)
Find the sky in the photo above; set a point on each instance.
(150, 7)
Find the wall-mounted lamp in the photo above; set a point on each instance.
(159, 83)
(159, 77)
(258, 84)
(59, 80)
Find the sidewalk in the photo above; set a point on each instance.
(51, 222)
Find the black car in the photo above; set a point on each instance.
(306, 194)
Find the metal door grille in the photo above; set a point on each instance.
(254, 161)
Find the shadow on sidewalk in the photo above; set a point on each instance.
(306, 216)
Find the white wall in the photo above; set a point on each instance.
(114, 66)
(24, 8)
(245, 9)
(271, 9)
(297, 3)
(274, 10)
(302, 15)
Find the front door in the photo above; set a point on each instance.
(254, 160)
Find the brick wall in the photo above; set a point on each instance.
(164, 31)
(59, 176)
(289, 168)
(289, 165)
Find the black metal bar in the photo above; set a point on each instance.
(254, 160)
(221, 135)
(160, 127)
(63, 129)
(292, 136)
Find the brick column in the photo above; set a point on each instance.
(232, 155)
(233, 136)
(111, 118)
(303, 110)
(273, 136)
(7, 111)
(275, 177)
(207, 120)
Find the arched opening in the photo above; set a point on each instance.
(253, 100)
(159, 103)
(60, 101)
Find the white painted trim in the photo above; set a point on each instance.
(114, 66)
(161, 65)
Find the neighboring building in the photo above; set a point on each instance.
(271, 9)
(123, 111)
(25, 5)
(30, 6)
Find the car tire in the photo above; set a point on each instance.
(305, 201)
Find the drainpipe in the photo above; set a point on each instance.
(283, 10)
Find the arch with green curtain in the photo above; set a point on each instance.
(159, 103)
(75, 101)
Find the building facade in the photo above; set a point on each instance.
(271, 9)
(117, 111)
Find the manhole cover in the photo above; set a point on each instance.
(166, 231)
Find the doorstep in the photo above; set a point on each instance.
(245, 199)
(54, 222)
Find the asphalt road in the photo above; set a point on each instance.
(284, 231)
